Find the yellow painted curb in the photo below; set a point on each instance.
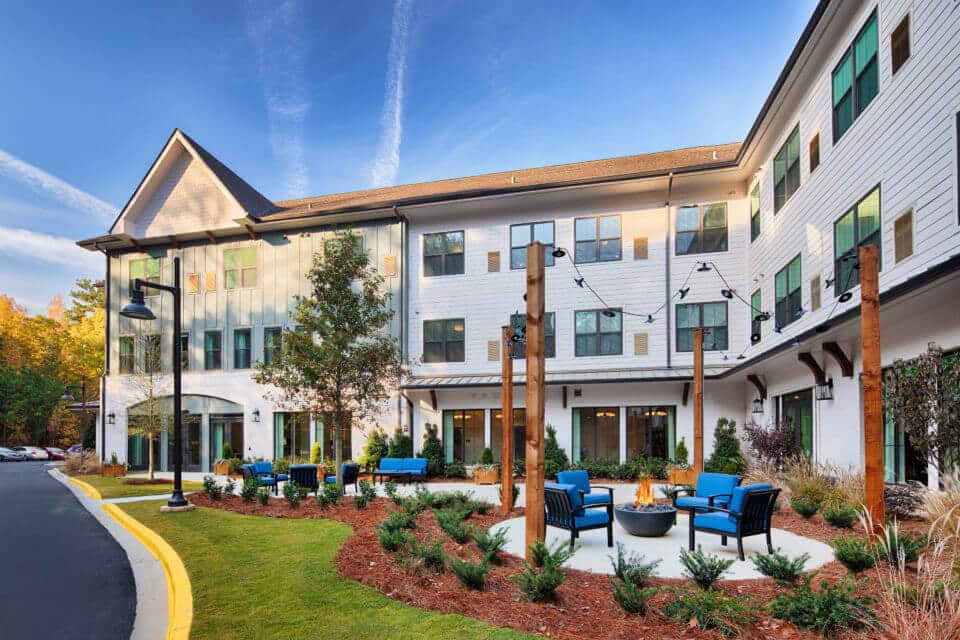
(86, 488)
(179, 594)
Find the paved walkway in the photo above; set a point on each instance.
(64, 575)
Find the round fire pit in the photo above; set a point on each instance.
(650, 521)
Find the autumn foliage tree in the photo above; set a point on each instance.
(340, 361)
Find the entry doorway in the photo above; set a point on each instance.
(192, 437)
(651, 432)
(797, 408)
(226, 430)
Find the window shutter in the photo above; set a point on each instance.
(640, 248)
(493, 350)
(903, 236)
(641, 344)
(814, 152)
(389, 266)
(815, 293)
(193, 283)
(493, 261)
(210, 281)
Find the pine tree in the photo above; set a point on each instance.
(726, 456)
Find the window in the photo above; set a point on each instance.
(598, 334)
(858, 226)
(523, 234)
(651, 432)
(786, 170)
(787, 291)
(240, 268)
(241, 348)
(855, 79)
(903, 236)
(272, 344)
(712, 316)
(518, 323)
(900, 44)
(443, 340)
(126, 354)
(443, 253)
(814, 152)
(151, 354)
(597, 239)
(325, 436)
(330, 245)
(755, 212)
(146, 269)
(596, 433)
(519, 435)
(291, 435)
(211, 350)
(756, 308)
(184, 351)
(193, 283)
(463, 435)
(701, 229)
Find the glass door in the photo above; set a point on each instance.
(463, 435)
(797, 407)
(226, 436)
(191, 440)
(596, 434)
(651, 432)
(519, 433)
(291, 436)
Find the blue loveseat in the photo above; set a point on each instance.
(401, 467)
(581, 480)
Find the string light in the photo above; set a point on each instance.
(703, 267)
(683, 292)
(726, 293)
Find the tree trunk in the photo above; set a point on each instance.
(150, 458)
(338, 447)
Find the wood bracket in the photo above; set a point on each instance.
(433, 399)
(686, 392)
(212, 238)
(253, 236)
(564, 395)
(833, 350)
(761, 388)
(807, 358)
(173, 240)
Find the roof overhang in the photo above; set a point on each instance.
(559, 378)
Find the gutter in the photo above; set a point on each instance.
(666, 263)
(106, 367)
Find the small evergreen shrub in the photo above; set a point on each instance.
(249, 489)
(451, 521)
(454, 470)
(519, 467)
(490, 545)
(281, 465)
(368, 491)
(893, 545)
(263, 496)
(782, 569)
(854, 552)
(211, 488)
(703, 569)
(486, 456)
(401, 445)
(680, 453)
(539, 581)
(472, 575)
(827, 610)
(711, 609)
(631, 597)
(291, 493)
(433, 451)
(516, 494)
(411, 506)
(840, 516)
(400, 520)
(727, 456)
(390, 489)
(554, 457)
(374, 449)
(331, 493)
(805, 507)
(392, 540)
(632, 568)
(229, 485)
(425, 556)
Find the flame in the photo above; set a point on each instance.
(644, 493)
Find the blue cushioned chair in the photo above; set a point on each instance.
(305, 475)
(713, 489)
(350, 472)
(749, 514)
(263, 479)
(581, 480)
(564, 509)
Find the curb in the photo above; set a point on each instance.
(86, 488)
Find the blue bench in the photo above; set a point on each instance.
(406, 468)
(712, 490)
(564, 509)
(581, 480)
(749, 514)
(350, 472)
(262, 472)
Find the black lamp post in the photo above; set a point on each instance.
(140, 311)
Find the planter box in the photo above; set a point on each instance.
(486, 476)
(683, 476)
(113, 470)
(221, 468)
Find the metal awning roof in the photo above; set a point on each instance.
(565, 377)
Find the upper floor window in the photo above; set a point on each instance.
(241, 348)
(518, 323)
(127, 354)
(858, 226)
(147, 269)
(597, 239)
(523, 234)
(900, 44)
(756, 304)
(184, 351)
(211, 350)
(443, 253)
(599, 332)
(787, 292)
(240, 268)
(151, 354)
(444, 340)
(272, 344)
(701, 229)
(786, 170)
(855, 80)
(755, 212)
(709, 316)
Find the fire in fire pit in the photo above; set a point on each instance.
(644, 493)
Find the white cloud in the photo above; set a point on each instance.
(277, 33)
(47, 248)
(42, 182)
(387, 161)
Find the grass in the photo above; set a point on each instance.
(256, 577)
(115, 487)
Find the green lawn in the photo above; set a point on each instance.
(256, 577)
(115, 487)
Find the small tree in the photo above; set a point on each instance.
(153, 416)
(774, 444)
(375, 448)
(341, 360)
(681, 456)
(401, 445)
(433, 451)
(726, 456)
(554, 457)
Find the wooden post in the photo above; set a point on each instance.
(698, 400)
(535, 395)
(872, 402)
(506, 423)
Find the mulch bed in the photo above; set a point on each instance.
(584, 607)
(146, 481)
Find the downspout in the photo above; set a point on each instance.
(404, 287)
(106, 367)
(666, 265)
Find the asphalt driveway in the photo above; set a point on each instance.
(61, 574)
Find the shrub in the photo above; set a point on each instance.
(554, 457)
(249, 489)
(703, 569)
(519, 467)
(711, 610)
(804, 507)
(400, 520)
(840, 517)
(425, 557)
(726, 456)
(315, 453)
(451, 521)
(390, 488)
(827, 610)
(516, 494)
(899, 548)
(680, 454)
(538, 582)
(211, 488)
(226, 451)
(291, 493)
(331, 493)
(411, 506)
(807, 480)
(472, 575)
(854, 552)
(235, 466)
(360, 501)
(772, 445)
(906, 500)
(367, 490)
(455, 470)
(632, 568)
(229, 485)
(490, 545)
(781, 568)
(281, 465)
(401, 445)
(631, 597)
(433, 451)
(374, 449)
(486, 456)
(263, 496)
(392, 539)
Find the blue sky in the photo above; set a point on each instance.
(306, 98)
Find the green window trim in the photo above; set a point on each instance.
(184, 351)
(443, 254)
(518, 323)
(147, 269)
(788, 293)
(711, 316)
(597, 239)
(444, 340)
(240, 268)
(241, 348)
(786, 170)
(523, 234)
(755, 212)
(272, 344)
(859, 226)
(855, 80)
(596, 434)
(701, 229)
(127, 357)
(596, 334)
(463, 435)
(212, 350)
(756, 307)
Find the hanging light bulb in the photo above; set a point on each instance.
(609, 313)
(559, 253)
(683, 292)
(703, 267)
(763, 316)
(727, 293)
(828, 282)
(741, 357)
(650, 319)
(845, 296)
(579, 282)
(777, 329)
(800, 312)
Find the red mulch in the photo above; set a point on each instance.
(584, 607)
(147, 481)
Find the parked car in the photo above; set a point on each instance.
(33, 453)
(75, 448)
(56, 453)
(9, 455)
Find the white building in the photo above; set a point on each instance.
(857, 143)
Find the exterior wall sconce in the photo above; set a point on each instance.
(256, 415)
(757, 405)
(111, 418)
(825, 391)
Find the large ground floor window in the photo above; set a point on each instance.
(226, 436)
(463, 435)
(651, 432)
(291, 435)
(797, 407)
(519, 433)
(325, 433)
(596, 433)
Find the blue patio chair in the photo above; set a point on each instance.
(305, 475)
(350, 472)
(581, 480)
(564, 509)
(263, 479)
(713, 489)
(751, 508)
